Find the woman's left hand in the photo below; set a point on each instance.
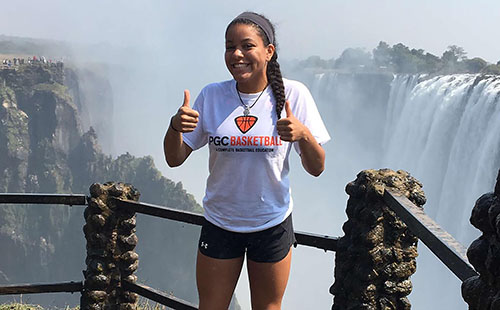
(311, 153)
(290, 128)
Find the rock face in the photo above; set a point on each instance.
(483, 292)
(40, 107)
(14, 136)
(376, 257)
(43, 149)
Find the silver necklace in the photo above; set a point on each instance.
(246, 112)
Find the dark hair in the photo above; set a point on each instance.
(274, 77)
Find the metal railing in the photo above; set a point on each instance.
(65, 287)
(326, 243)
(159, 297)
(323, 242)
(442, 244)
(54, 199)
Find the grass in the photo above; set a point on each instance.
(56, 88)
(23, 306)
(144, 304)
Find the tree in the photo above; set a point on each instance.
(454, 53)
(431, 63)
(459, 52)
(491, 69)
(403, 59)
(382, 54)
(314, 62)
(353, 58)
(475, 65)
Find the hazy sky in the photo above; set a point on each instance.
(305, 28)
(184, 40)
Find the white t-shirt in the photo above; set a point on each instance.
(248, 187)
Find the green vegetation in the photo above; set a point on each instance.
(6, 94)
(43, 150)
(23, 306)
(19, 306)
(401, 59)
(58, 89)
(144, 304)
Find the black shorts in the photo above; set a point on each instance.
(266, 246)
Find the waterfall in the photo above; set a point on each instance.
(444, 130)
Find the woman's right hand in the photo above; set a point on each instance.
(186, 118)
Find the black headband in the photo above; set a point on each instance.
(260, 21)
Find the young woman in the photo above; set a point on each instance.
(247, 202)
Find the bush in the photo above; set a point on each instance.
(491, 69)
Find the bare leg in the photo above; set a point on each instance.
(268, 282)
(216, 280)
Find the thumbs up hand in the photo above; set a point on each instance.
(290, 128)
(186, 118)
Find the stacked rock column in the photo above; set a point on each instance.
(376, 256)
(483, 292)
(111, 240)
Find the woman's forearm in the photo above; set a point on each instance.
(174, 148)
(312, 154)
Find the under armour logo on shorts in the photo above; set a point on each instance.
(204, 245)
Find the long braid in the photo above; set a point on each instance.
(275, 79)
(273, 72)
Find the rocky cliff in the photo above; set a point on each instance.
(44, 149)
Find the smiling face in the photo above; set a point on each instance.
(246, 57)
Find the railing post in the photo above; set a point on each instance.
(376, 257)
(483, 292)
(111, 240)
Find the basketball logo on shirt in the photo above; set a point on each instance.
(245, 123)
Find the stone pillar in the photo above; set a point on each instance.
(111, 240)
(483, 292)
(376, 257)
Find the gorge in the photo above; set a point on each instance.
(443, 129)
(44, 149)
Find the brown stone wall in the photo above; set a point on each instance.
(483, 292)
(111, 240)
(376, 256)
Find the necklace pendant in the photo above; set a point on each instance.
(247, 108)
